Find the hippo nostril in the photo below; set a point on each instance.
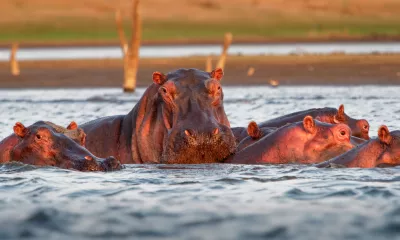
(216, 131)
(89, 158)
(187, 132)
(366, 127)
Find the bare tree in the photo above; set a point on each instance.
(250, 71)
(130, 52)
(14, 66)
(209, 63)
(227, 43)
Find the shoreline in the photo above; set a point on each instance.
(211, 41)
(292, 70)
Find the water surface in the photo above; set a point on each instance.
(200, 201)
(60, 53)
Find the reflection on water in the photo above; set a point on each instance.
(203, 50)
(200, 201)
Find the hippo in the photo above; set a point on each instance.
(254, 133)
(179, 119)
(240, 133)
(359, 128)
(40, 145)
(306, 142)
(72, 131)
(383, 151)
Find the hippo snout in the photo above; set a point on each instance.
(363, 126)
(111, 164)
(204, 144)
(195, 135)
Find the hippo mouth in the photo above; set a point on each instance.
(363, 135)
(206, 149)
(89, 164)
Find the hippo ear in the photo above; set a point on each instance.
(340, 116)
(341, 111)
(217, 74)
(309, 124)
(72, 126)
(253, 130)
(20, 130)
(159, 78)
(384, 134)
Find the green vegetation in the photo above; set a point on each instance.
(65, 30)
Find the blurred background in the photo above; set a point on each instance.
(346, 41)
(92, 21)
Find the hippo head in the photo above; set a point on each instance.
(41, 145)
(325, 140)
(72, 131)
(198, 130)
(359, 128)
(389, 143)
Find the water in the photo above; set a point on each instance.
(202, 50)
(200, 201)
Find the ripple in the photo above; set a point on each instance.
(298, 194)
(210, 201)
(274, 233)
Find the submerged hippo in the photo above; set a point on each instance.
(383, 151)
(72, 131)
(359, 128)
(179, 119)
(40, 145)
(305, 142)
(254, 133)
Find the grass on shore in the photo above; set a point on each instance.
(67, 30)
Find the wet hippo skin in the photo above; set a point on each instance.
(359, 127)
(41, 145)
(383, 151)
(309, 141)
(179, 119)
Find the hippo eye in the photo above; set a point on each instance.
(343, 133)
(219, 87)
(164, 90)
(38, 136)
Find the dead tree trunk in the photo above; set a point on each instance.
(130, 52)
(227, 43)
(14, 66)
(209, 64)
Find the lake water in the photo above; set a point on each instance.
(61, 53)
(200, 201)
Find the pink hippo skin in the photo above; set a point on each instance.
(359, 128)
(255, 133)
(383, 151)
(179, 119)
(304, 142)
(40, 145)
